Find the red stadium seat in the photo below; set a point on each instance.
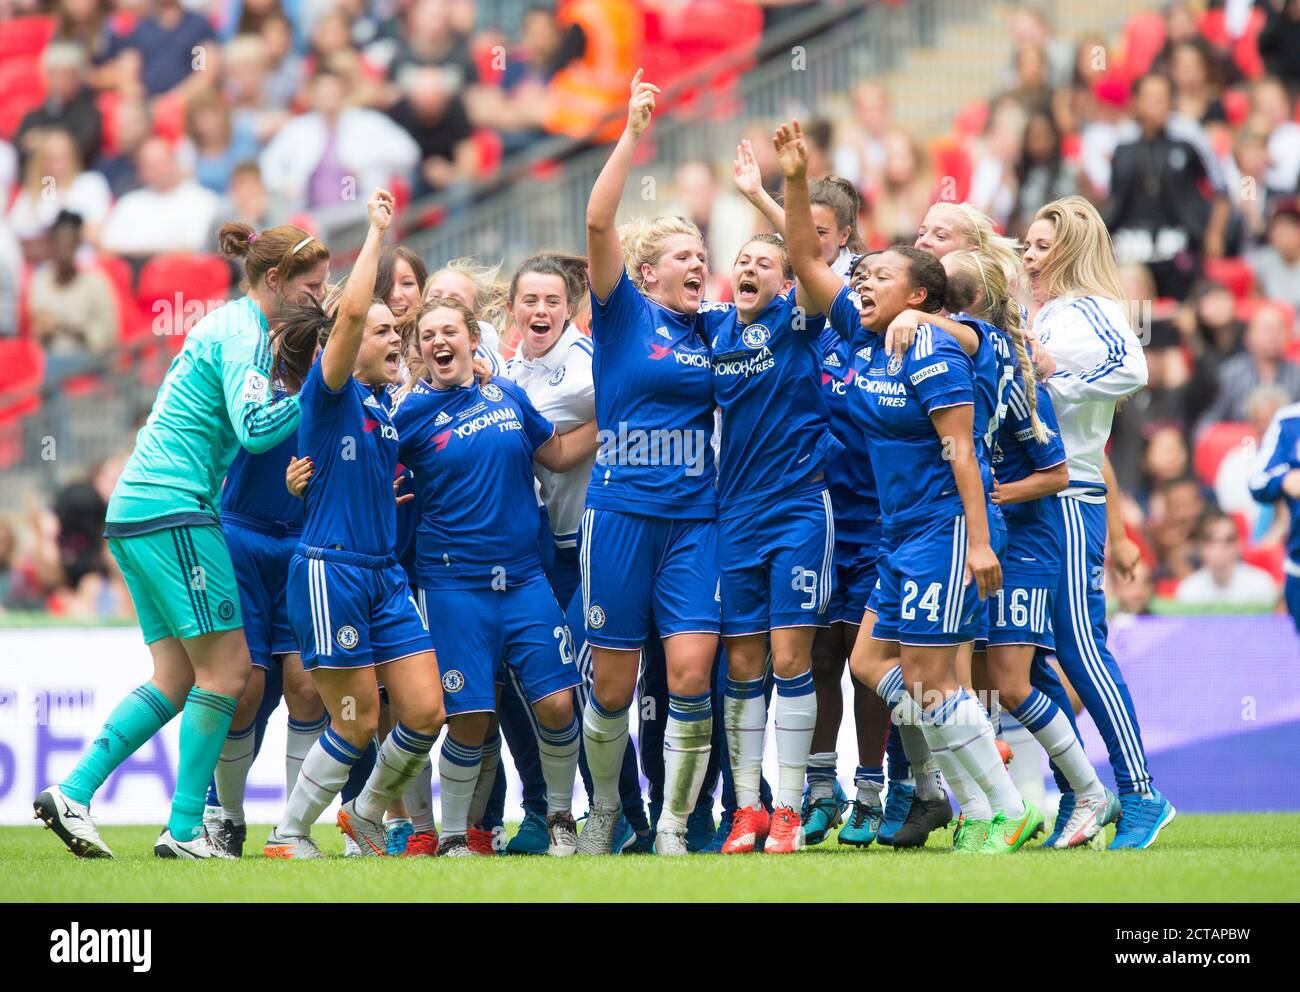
(1269, 557)
(25, 36)
(1236, 104)
(971, 119)
(107, 102)
(1144, 37)
(951, 162)
(1235, 273)
(1245, 48)
(489, 150)
(23, 89)
(176, 291)
(22, 368)
(1213, 446)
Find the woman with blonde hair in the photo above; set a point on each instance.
(55, 179)
(649, 532)
(478, 286)
(1088, 357)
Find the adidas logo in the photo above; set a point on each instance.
(833, 361)
(372, 403)
(663, 333)
(865, 353)
(441, 419)
(102, 744)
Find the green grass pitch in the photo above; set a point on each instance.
(1244, 858)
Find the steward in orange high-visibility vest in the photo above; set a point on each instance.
(594, 87)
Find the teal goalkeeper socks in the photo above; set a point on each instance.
(140, 715)
(205, 721)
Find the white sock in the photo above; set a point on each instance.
(969, 735)
(231, 773)
(604, 736)
(489, 767)
(744, 716)
(298, 742)
(558, 750)
(400, 758)
(1051, 728)
(688, 738)
(458, 766)
(418, 798)
(324, 773)
(911, 730)
(970, 798)
(796, 718)
(821, 774)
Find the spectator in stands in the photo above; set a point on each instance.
(1132, 597)
(993, 179)
(860, 152)
(1175, 511)
(331, 45)
(433, 114)
(69, 103)
(1272, 105)
(1042, 174)
(67, 305)
(247, 201)
(55, 181)
(215, 143)
(285, 71)
(1277, 264)
(1164, 460)
(902, 192)
(133, 128)
(593, 87)
(430, 38)
(1183, 25)
(1101, 134)
(254, 103)
(1157, 213)
(1232, 479)
(85, 23)
(9, 575)
(1075, 103)
(1247, 182)
(1279, 41)
(1032, 89)
(1031, 28)
(170, 212)
(333, 153)
(1196, 86)
(725, 219)
(170, 50)
(1263, 363)
(1223, 578)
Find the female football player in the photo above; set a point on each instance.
(1087, 356)
(354, 618)
(163, 532)
(939, 558)
(472, 449)
(649, 539)
(857, 536)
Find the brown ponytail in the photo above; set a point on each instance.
(289, 250)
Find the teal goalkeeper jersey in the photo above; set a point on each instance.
(216, 396)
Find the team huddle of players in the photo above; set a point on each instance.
(889, 459)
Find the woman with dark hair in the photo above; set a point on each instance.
(1042, 174)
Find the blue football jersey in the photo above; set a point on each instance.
(1032, 535)
(849, 477)
(892, 400)
(471, 449)
(654, 408)
(776, 432)
(349, 436)
(255, 495)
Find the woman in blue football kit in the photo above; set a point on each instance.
(1277, 477)
(472, 449)
(852, 487)
(776, 529)
(649, 540)
(938, 560)
(1088, 357)
(547, 298)
(1029, 463)
(352, 612)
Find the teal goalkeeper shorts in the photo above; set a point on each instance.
(181, 581)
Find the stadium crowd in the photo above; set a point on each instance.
(135, 126)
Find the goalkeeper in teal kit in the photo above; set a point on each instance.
(163, 531)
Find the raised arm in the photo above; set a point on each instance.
(749, 181)
(604, 253)
(340, 355)
(818, 285)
